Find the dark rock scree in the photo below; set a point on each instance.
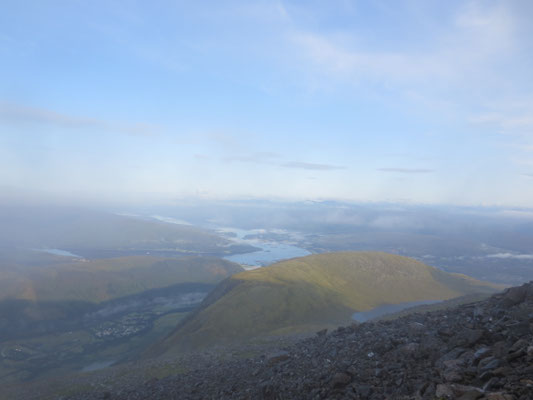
(480, 350)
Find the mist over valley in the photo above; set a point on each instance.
(279, 200)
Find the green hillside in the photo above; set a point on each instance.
(105, 279)
(308, 293)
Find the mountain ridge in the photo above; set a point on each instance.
(105, 279)
(310, 293)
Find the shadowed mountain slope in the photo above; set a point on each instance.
(479, 350)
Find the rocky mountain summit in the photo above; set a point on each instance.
(481, 350)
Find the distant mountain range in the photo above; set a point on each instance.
(97, 234)
(488, 243)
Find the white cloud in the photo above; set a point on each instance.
(258, 158)
(511, 256)
(311, 166)
(467, 68)
(407, 170)
(20, 114)
(476, 35)
(267, 11)
(337, 61)
(507, 123)
(512, 120)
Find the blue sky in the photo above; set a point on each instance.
(412, 101)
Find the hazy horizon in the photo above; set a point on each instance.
(192, 186)
(411, 102)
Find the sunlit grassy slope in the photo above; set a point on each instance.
(104, 279)
(307, 293)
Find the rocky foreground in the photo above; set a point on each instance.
(481, 350)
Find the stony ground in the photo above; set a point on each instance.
(481, 350)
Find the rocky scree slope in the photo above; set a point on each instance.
(481, 350)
